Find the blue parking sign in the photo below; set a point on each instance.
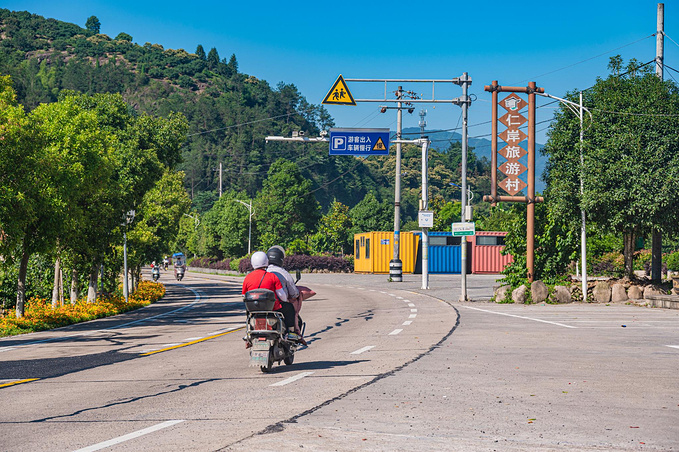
(359, 142)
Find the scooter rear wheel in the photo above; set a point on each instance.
(289, 360)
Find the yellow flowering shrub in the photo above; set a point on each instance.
(39, 314)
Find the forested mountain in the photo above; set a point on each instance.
(229, 112)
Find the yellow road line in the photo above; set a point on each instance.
(191, 343)
(18, 382)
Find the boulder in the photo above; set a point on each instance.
(502, 294)
(519, 294)
(561, 294)
(538, 291)
(635, 293)
(602, 292)
(653, 290)
(618, 293)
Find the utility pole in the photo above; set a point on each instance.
(463, 195)
(656, 242)
(395, 265)
(220, 179)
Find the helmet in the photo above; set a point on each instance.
(259, 260)
(276, 254)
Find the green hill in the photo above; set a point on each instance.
(230, 113)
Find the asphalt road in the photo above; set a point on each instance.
(389, 367)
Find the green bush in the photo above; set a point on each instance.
(672, 261)
(234, 264)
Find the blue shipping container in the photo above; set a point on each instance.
(444, 254)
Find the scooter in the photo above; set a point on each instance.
(155, 273)
(265, 331)
(179, 273)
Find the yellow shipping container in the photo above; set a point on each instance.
(374, 250)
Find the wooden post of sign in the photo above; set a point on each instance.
(493, 146)
(530, 199)
(530, 210)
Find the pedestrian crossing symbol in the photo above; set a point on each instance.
(339, 94)
(379, 146)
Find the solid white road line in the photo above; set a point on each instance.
(395, 332)
(291, 379)
(129, 436)
(361, 350)
(520, 317)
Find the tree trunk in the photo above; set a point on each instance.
(656, 257)
(92, 286)
(21, 284)
(74, 286)
(628, 239)
(56, 289)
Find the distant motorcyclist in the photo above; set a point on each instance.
(166, 262)
(259, 278)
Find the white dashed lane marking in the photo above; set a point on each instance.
(395, 332)
(361, 350)
(292, 379)
(407, 322)
(129, 436)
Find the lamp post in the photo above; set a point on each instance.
(250, 210)
(579, 111)
(129, 218)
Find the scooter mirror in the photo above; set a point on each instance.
(299, 275)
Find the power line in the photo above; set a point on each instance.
(591, 58)
(241, 124)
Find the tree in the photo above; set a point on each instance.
(228, 221)
(631, 157)
(213, 58)
(123, 37)
(285, 209)
(371, 215)
(334, 230)
(200, 52)
(21, 181)
(157, 219)
(93, 24)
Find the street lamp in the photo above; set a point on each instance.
(250, 210)
(129, 218)
(579, 111)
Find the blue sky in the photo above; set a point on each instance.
(563, 46)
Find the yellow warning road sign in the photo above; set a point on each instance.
(379, 146)
(339, 94)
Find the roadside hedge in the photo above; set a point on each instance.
(303, 262)
(212, 263)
